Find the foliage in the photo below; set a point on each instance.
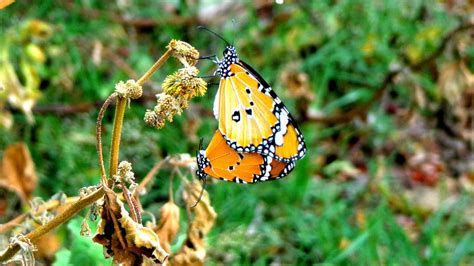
(388, 177)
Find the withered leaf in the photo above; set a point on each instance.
(124, 239)
(194, 251)
(169, 224)
(18, 171)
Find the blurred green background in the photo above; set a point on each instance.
(388, 178)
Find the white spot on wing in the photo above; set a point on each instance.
(283, 128)
(216, 104)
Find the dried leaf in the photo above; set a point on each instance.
(124, 239)
(193, 252)
(18, 171)
(169, 224)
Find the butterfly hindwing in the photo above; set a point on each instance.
(220, 161)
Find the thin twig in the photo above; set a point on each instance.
(149, 176)
(98, 135)
(120, 112)
(55, 222)
(155, 67)
(42, 208)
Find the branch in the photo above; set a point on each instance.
(42, 208)
(55, 222)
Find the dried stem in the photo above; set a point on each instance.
(155, 66)
(42, 208)
(120, 112)
(114, 154)
(55, 222)
(149, 177)
(98, 129)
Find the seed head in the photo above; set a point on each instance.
(184, 52)
(130, 89)
(185, 83)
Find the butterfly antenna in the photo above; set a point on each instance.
(204, 182)
(200, 143)
(207, 57)
(235, 27)
(220, 37)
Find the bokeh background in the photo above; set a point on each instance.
(382, 90)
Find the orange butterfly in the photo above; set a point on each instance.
(222, 162)
(252, 118)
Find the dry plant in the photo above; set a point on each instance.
(117, 198)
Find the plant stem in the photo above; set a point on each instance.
(100, 117)
(120, 112)
(42, 208)
(155, 67)
(116, 134)
(55, 222)
(114, 155)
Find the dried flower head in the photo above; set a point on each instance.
(167, 106)
(185, 83)
(178, 87)
(184, 52)
(130, 89)
(153, 120)
(125, 172)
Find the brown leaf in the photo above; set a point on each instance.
(18, 171)
(194, 252)
(124, 239)
(169, 224)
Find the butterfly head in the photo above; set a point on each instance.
(202, 162)
(230, 57)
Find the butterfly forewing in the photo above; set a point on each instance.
(251, 116)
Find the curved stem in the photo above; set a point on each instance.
(98, 129)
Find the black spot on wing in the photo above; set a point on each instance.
(248, 111)
(236, 116)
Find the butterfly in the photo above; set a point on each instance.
(220, 161)
(252, 118)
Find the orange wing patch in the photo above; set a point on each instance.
(222, 162)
